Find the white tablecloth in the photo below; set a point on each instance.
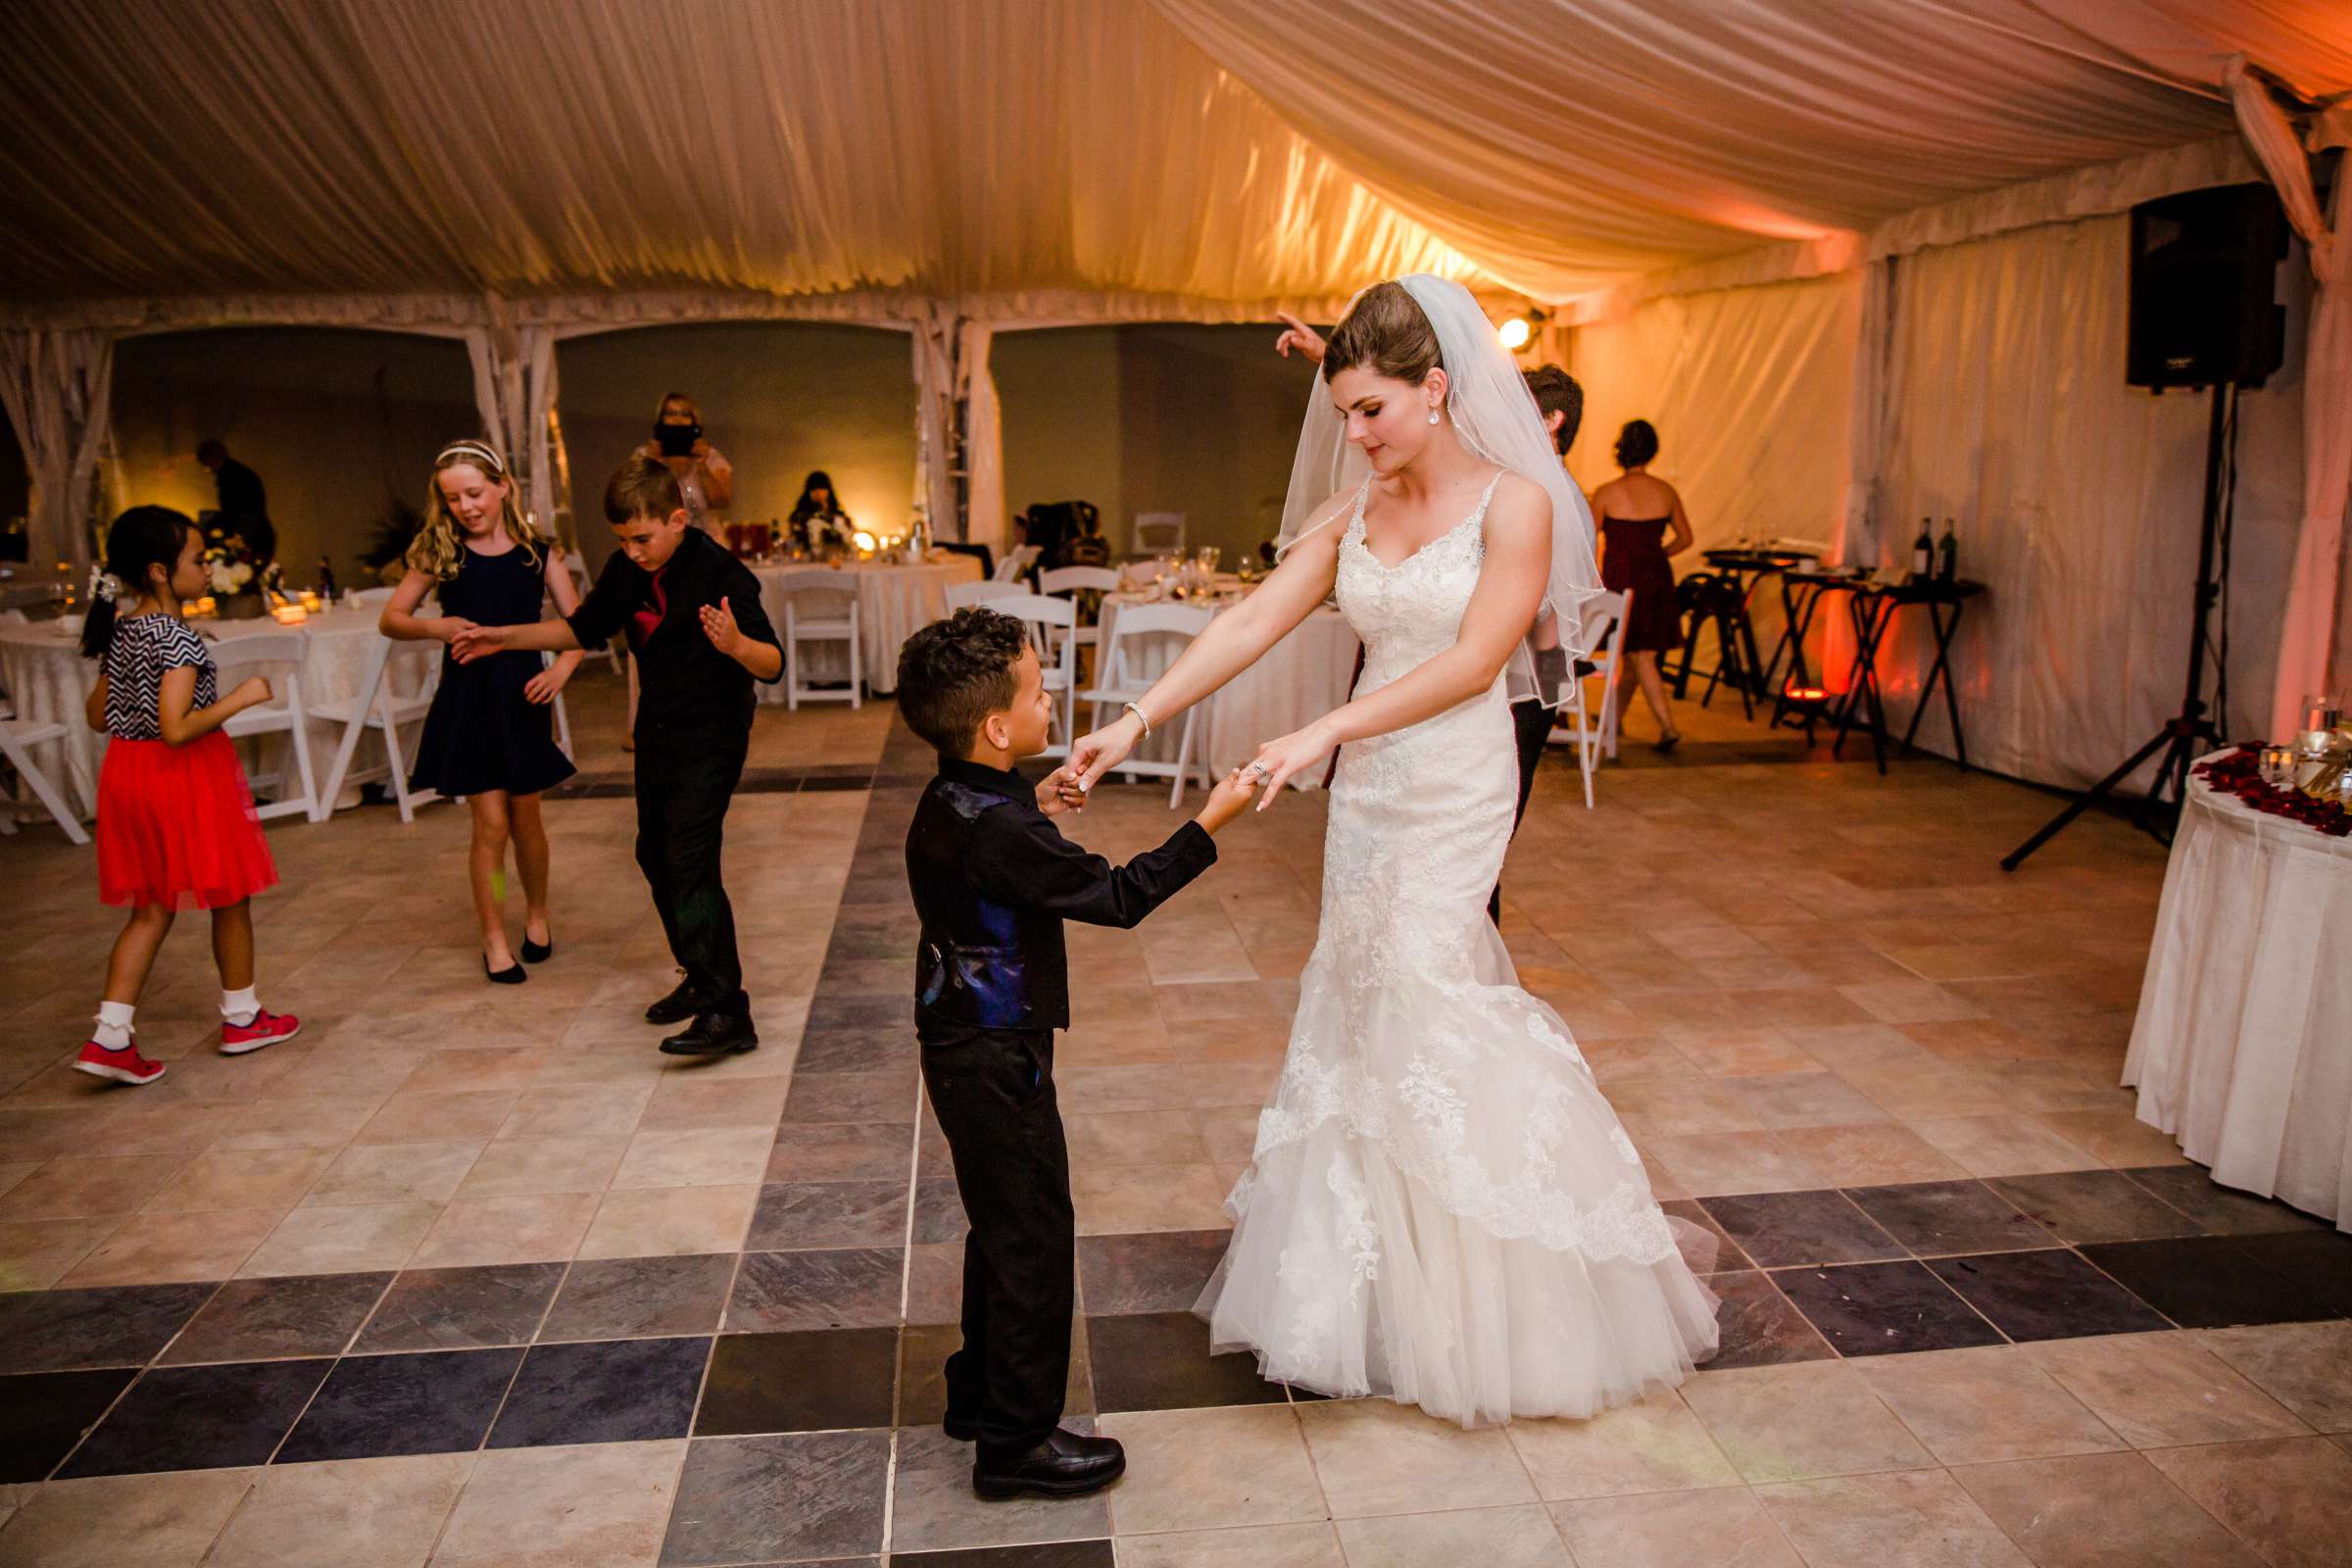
(1299, 679)
(893, 600)
(2243, 1043)
(48, 680)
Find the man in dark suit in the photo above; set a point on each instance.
(244, 505)
(692, 614)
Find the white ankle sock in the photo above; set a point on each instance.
(238, 1006)
(113, 1024)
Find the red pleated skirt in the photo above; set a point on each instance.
(176, 826)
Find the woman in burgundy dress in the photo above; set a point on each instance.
(1642, 525)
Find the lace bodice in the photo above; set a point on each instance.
(1409, 612)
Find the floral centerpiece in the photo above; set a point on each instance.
(242, 582)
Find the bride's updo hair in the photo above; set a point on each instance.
(1386, 333)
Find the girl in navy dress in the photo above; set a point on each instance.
(176, 828)
(489, 736)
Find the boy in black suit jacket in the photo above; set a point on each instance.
(993, 881)
(700, 638)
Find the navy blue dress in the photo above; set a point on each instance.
(483, 733)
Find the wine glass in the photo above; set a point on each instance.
(2320, 715)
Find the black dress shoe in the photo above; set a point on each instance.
(676, 1007)
(714, 1034)
(538, 951)
(1065, 1465)
(513, 974)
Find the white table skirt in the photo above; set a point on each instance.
(894, 599)
(2244, 1044)
(1298, 680)
(48, 680)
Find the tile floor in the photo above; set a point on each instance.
(464, 1277)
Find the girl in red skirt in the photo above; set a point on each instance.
(176, 828)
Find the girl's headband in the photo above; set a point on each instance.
(473, 452)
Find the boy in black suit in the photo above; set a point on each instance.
(993, 882)
(692, 614)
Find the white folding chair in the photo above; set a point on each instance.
(821, 605)
(964, 595)
(577, 570)
(385, 710)
(18, 737)
(1592, 733)
(1120, 684)
(1159, 530)
(1074, 580)
(1050, 619)
(235, 658)
(1017, 559)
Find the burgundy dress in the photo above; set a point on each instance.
(1634, 556)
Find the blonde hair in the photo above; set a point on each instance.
(693, 412)
(436, 548)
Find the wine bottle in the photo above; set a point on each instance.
(1947, 561)
(326, 580)
(1923, 548)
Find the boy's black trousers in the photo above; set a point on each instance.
(684, 784)
(993, 1093)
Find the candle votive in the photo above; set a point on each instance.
(2279, 766)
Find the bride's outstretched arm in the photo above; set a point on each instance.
(1231, 644)
(1501, 608)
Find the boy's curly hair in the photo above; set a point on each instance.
(955, 672)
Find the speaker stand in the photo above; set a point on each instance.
(2190, 733)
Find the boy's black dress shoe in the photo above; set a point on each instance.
(1065, 1465)
(714, 1034)
(676, 1007)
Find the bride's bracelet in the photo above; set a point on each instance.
(1141, 718)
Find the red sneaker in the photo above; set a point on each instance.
(125, 1066)
(267, 1029)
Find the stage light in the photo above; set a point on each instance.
(1514, 333)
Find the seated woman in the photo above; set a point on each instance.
(818, 510)
(1642, 525)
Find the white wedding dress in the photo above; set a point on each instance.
(1441, 1206)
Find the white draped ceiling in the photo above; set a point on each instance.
(516, 172)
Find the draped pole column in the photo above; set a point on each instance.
(56, 383)
(515, 390)
(935, 339)
(2309, 629)
(983, 443)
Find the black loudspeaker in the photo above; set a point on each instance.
(2203, 302)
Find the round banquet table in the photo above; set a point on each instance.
(1298, 680)
(894, 599)
(48, 682)
(2243, 1049)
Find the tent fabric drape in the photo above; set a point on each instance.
(834, 146)
(1748, 391)
(55, 385)
(2310, 626)
(1693, 128)
(2077, 500)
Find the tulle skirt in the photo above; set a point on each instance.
(1446, 1270)
(176, 826)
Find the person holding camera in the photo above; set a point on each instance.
(706, 478)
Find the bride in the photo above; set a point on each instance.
(1441, 1208)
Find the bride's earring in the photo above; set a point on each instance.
(1433, 416)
